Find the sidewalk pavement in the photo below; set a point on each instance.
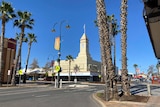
(27, 84)
(154, 100)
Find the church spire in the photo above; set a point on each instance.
(84, 36)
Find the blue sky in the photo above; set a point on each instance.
(77, 13)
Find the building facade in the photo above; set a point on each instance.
(9, 53)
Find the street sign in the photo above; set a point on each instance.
(57, 68)
(20, 72)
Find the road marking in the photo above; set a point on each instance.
(81, 89)
(42, 96)
(92, 89)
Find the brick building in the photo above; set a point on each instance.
(9, 53)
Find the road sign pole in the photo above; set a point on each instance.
(58, 78)
(55, 85)
(19, 79)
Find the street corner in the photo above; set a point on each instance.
(98, 99)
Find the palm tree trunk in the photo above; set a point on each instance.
(114, 49)
(103, 59)
(17, 59)
(69, 77)
(110, 38)
(1, 51)
(103, 30)
(29, 48)
(125, 82)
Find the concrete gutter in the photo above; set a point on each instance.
(97, 99)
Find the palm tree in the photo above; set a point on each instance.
(125, 82)
(6, 13)
(103, 56)
(24, 21)
(18, 40)
(135, 66)
(32, 38)
(69, 58)
(113, 31)
(103, 31)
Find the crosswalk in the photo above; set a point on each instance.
(18, 91)
(84, 89)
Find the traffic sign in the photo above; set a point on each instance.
(20, 72)
(57, 68)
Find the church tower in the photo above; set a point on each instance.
(84, 47)
(84, 55)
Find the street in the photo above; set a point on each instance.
(48, 96)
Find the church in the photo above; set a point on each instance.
(88, 69)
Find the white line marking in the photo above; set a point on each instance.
(42, 96)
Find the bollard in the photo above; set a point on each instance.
(75, 80)
(149, 89)
(55, 84)
(60, 83)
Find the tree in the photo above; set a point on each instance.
(113, 31)
(6, 14)
(47, 66)
(151, 70)
(34, 64)
(76, 69)
(69, 58)
(23, 21)
(103, 55)
(135, 66)
(18, 41)
(105, 42)
(125, 82)
(31, 39)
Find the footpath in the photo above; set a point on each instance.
(154, 100)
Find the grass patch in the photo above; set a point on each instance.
(101, 95)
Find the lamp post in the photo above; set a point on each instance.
(59, 50)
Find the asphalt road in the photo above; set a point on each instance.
(48, 97)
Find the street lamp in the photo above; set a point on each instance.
(59, 50)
